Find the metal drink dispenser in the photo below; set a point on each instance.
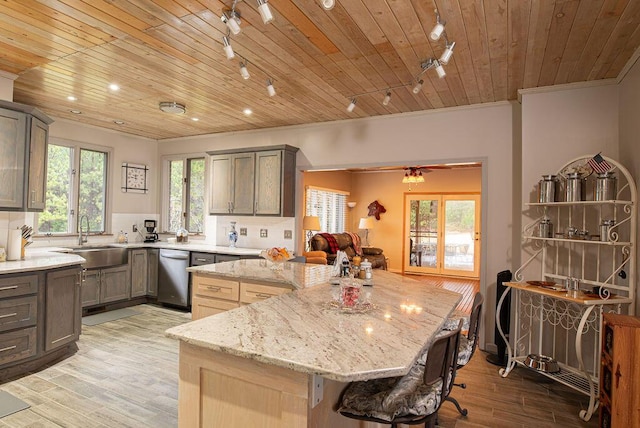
(606, 184)
(574, 190)
(547, 188)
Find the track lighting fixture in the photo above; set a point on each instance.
(438, 29)
(228, 50)
(270, 89)
(352, 105)
(416, 89)
(387, 98)
(448, 52)
(232, 20)
(439, 69)
(243, 71)
(265, 11)
(328, 4)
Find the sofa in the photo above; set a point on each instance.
(345, 243)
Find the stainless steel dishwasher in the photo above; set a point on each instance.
(173, 278)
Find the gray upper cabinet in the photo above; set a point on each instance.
(232, 183)
(24, 133)
(254, 181)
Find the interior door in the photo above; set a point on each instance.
(442, 234)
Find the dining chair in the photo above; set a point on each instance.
(468, 342)
(411, 399)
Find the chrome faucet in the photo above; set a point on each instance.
(81, 239)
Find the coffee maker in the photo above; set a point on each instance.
(151, 235)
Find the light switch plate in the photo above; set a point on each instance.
(288, 234)
(263, 233)
(243, 231)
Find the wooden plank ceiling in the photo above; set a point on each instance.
(171, 50)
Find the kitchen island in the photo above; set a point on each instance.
(284, 361)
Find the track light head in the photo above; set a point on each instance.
(448, 52)
(439, 69)
(265, 11)
(387, 98)
(232, 20)
(228, 50)
(243, 71)
(352, 105)
(270, 89)
(438, 29)
(416, 89)
(328, 4)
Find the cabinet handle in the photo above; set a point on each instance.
(9, 315)
(11, 287)
(8, 348)
(216, 289)
(263, 296)
(33, 196)
(618, 375)
(62, 338)
(201, 260)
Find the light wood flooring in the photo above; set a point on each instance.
(125, 374)
(468, 287)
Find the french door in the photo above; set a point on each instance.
(442, 234)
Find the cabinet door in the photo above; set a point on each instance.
(63, 309)
(13, 128)
(138, 260)
(220, 197)
(243, 170)
(36, 194)
(152, 272)
(268, 182)
(114, 284)
(90, 287)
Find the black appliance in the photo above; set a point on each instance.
(150, 235)
(500, 359)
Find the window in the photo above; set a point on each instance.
(76, 186)
(329, 205)
(184, 200)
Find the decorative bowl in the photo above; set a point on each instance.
(277, 256)
(542, 363)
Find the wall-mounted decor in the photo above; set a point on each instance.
(134, 178)
(375, 209)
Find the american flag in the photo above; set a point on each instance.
(598, 164)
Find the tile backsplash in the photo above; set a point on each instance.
(275, 227)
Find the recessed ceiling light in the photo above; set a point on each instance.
(172, 107)
(195, 119)
(71, 98)
(75, 111)
(247, 111)
(114, 87)
(119, 122)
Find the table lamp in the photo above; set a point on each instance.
(310, 223)
(365, 224)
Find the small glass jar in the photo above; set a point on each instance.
(366, 267)
(350, 292)
(182, 236)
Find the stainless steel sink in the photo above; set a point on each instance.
(100, 257)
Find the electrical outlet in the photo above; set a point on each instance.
(135, 228)
(263, 233)
(243, 231)
(288, 234)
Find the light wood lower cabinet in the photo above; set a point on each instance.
(212, 295)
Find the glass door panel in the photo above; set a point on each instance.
(461, 234)
(421, 248)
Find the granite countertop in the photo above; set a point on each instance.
(295, 275)
(301, 332)
(40, 260)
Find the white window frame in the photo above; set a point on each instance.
(338, 192)
(72, 215)
(166, 160)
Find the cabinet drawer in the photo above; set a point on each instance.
(207, 286)
(18, 286)
(199, 259)
(18, 313)
(251, 292)
(204, 307)
(17, 345)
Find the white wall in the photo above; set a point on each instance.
(478, 133)
(6, 85)
(629, 90)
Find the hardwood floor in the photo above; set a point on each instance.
(468, 287)
(125, 374)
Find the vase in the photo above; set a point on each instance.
(233, 235)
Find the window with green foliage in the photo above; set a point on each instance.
(185, 195)
(76, 186)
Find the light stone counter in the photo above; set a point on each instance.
(40, 260)
(294, 275)
(300, 332)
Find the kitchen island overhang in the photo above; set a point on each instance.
(291, 339)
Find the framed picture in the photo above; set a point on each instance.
(134, 178)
